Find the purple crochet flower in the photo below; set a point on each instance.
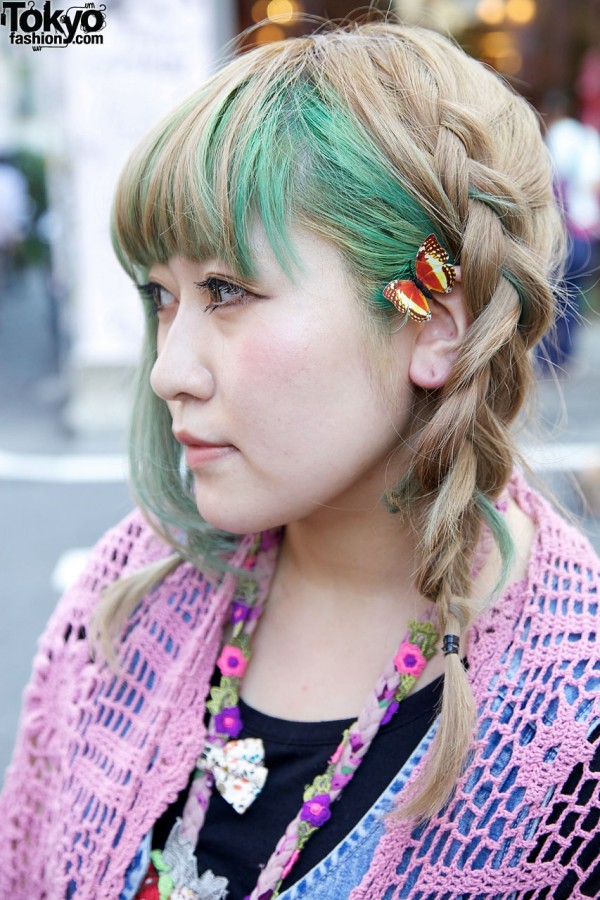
(409, 660)
(269, 539)
(239, 611)
(389, 713)
(316, 811)
(229, 721)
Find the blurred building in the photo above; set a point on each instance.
(82, 109)
(538, 44)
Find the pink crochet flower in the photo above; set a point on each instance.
(316, 811)
(232, 661)
(409, 660)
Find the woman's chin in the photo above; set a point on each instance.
(230, 524)
(233, 518)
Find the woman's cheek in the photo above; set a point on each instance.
(273, 358)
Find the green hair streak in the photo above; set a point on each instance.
(496, 522)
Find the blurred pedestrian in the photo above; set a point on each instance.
(575, 151)
(14, 218)
(342, 649)
(588, 88)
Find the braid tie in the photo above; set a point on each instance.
(451, 644)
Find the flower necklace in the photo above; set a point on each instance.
(235, 767)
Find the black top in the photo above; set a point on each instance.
(236, 846)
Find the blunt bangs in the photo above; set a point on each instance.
(194, 187)
(277, 143)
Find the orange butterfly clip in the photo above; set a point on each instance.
(433, 272)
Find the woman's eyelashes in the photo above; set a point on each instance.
(220, 293)
(157, 296)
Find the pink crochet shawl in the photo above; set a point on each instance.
(100, 755)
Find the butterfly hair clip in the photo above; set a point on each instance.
(432, 272)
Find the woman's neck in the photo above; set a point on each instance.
(339, 606)
(341, 599)
(347, 556)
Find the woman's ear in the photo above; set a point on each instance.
(436, 344)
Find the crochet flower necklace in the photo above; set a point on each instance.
(235, 767)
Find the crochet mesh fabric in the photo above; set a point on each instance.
(100, 755)
(521, 819)
(96, 759)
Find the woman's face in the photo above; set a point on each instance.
(272, 390)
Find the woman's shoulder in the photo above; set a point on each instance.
(560, 551)
(122, 550)
(130, 544)
(528, 789)
(547, 617)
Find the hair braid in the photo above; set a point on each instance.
(465, 450)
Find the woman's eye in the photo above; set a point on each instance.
(156, 295)
(222, 293)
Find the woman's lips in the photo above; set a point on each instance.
(198, 454)
(199, 451)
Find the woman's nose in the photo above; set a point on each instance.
(181, 368)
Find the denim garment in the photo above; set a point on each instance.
(342, 870)
(136, 871)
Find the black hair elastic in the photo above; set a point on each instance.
(451, 644)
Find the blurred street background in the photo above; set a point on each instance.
(69, 321)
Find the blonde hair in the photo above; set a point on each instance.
(371, 136)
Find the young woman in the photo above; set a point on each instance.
(341, 649)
